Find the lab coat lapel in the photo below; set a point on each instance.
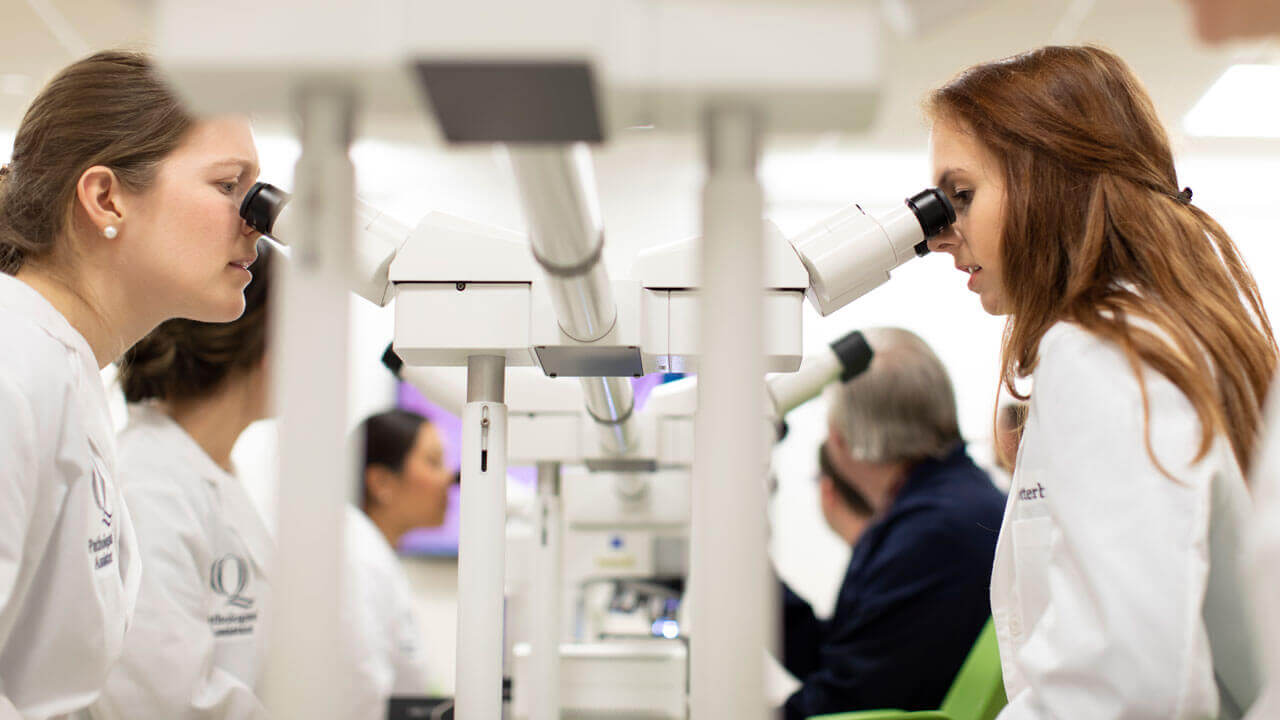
(1002, 588)
(233, 502)
(101, 432)
(1235, 648)
(94, 409)
(243, 515)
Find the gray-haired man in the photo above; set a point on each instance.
(915, 595)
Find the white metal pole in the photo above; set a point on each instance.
(730, 610)
(482, 541)
(310, 321)
(546, 597)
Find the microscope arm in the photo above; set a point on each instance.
(851, 253)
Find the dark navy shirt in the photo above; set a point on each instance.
(915, 596)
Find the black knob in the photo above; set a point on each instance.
(392, 361)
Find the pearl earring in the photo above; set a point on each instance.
(110, 232)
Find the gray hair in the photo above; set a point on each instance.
(902, 409)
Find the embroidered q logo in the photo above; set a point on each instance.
(229, 576)
(100, 496)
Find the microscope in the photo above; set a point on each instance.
(604, 574)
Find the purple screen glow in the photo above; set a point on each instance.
(443, 541)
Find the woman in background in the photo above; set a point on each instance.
(193, 388)
(403, 485)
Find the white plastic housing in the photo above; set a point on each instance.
(436, 324)
(670, 299)
(378, 239)
(851, 253)
(463, 289)
(791, 390)
(613, 679)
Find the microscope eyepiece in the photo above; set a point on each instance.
(933, 210)
(392, 361)
(852, 252)
(935, 213)
(854, 354)
(262, 205)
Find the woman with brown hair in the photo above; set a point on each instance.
(403, 485)
(193, 388)
(1117, 589)
(118, 210)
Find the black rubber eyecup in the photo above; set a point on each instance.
(262, 205)
(933, 210)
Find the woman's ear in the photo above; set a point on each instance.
(99, 196)
(380, 484)
(836, 445)
(826, 492)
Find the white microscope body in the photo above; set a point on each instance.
(618, 512)
(542, 77)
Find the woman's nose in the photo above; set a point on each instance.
(945, 241)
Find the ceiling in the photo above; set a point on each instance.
(648, 183)
(41, 36)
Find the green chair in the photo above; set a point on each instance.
(977, 693)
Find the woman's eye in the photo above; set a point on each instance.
(228, 186)
(961, 198)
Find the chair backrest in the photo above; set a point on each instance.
(977, 693)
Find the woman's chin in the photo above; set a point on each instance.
(223, 310)
(993, 304)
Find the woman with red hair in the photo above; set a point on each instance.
(1117, 589)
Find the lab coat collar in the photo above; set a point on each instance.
(30, 304)
(364, 527)
(194, 456)
(236, 504)
(26, 302)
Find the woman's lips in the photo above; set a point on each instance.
(972, 270)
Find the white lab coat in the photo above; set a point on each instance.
(1265, 551)
(69, 570)
(386, 649)
(200, 646)
(1117, 592)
